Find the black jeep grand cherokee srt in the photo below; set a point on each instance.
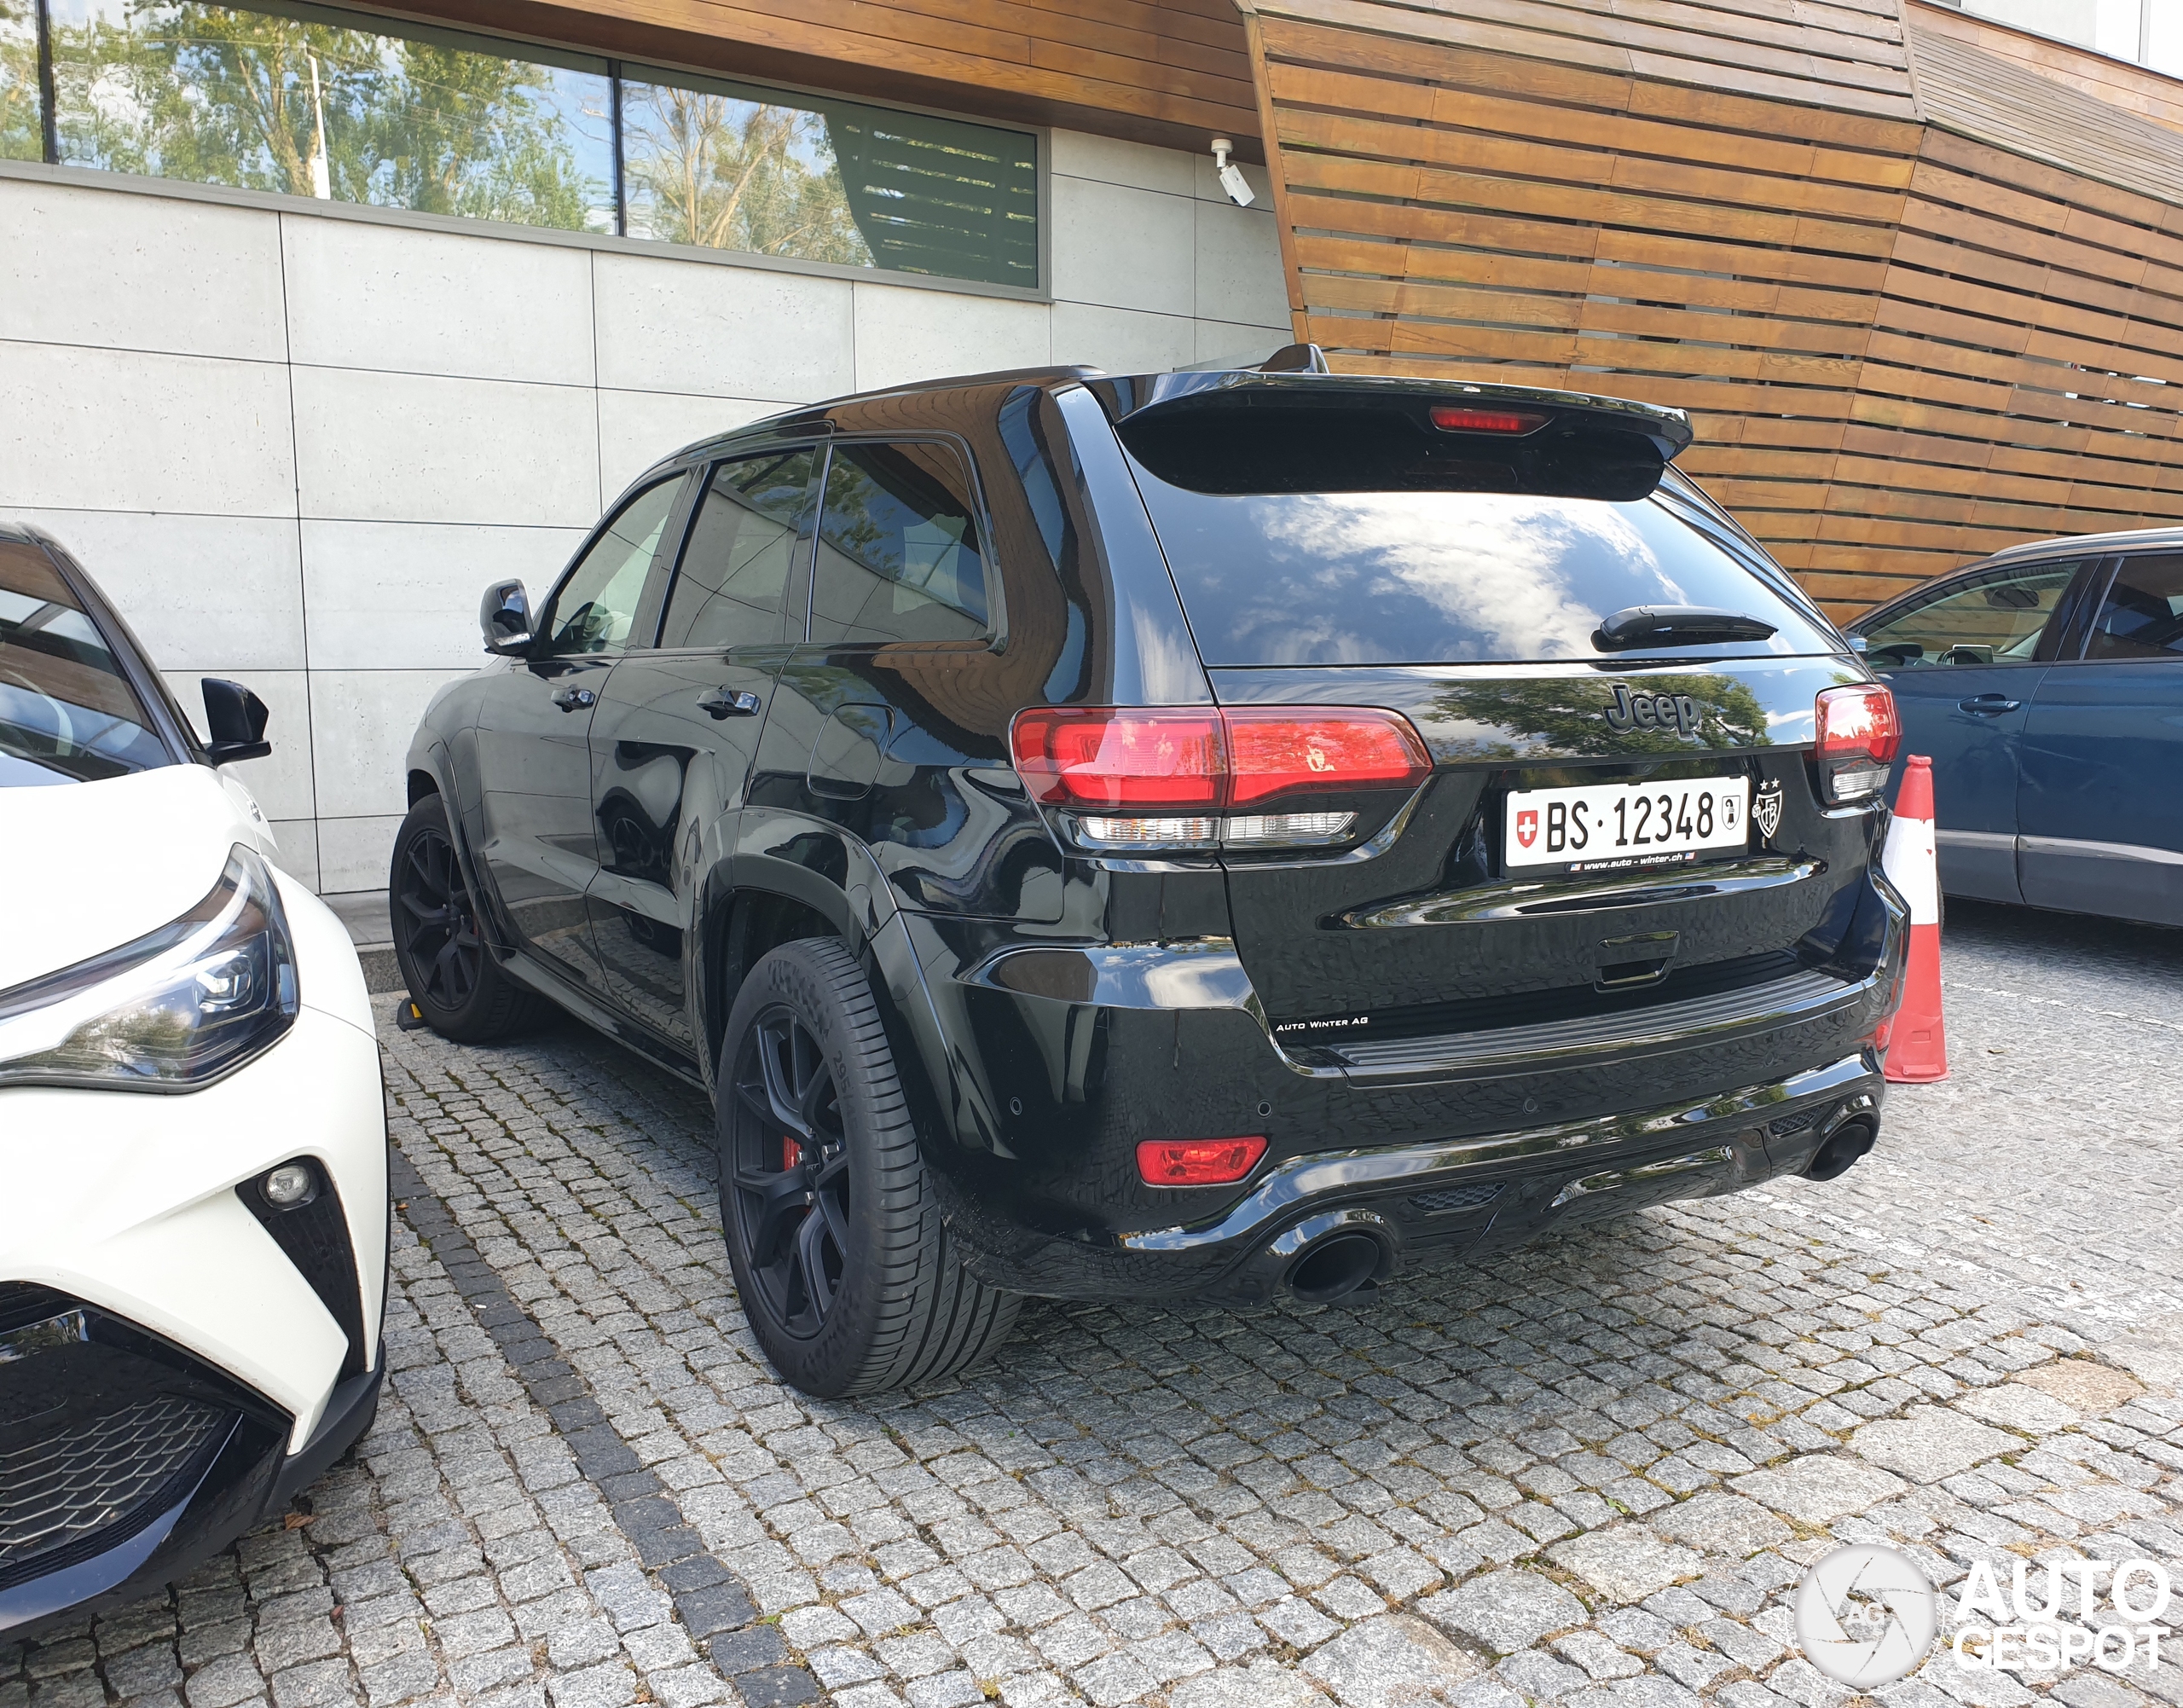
(1186, 835)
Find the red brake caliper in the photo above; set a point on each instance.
(791, 1152)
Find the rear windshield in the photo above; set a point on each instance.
(68, 714)
(1449, 576)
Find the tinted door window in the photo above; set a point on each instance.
(732, 586)
(899, 556)
(2142, 616)
(1994, 617)
(597, 604)
(68, 714)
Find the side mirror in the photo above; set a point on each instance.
(236, 718)
(1859, 644)
(504, 617)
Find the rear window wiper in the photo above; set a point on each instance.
(1676, 625)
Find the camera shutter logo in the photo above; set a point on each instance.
(1865, 1615)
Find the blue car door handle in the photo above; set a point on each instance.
(1988, 705)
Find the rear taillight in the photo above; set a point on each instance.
(1197, 1161)
(1157, 778)
(1858, 735)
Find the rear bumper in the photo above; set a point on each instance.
(1057, 1063)
(1444, 1199)
(1467, 1196)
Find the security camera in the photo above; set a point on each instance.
(1231, 175)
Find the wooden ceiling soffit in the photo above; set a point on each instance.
(1170, 72)
(1906, 337)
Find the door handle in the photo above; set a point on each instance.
(729, 703)
(1988, 705)
(575, 699)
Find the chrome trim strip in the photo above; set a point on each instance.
(2129, 851)
(1682, 1025)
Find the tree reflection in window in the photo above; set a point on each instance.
(297, 101)
(724, 166)
(709, 169)
(20, 138)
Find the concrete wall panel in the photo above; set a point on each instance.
(636, 429)
(409, 590)
(410, 448)
(81, 266)
(425, 302)
(84, 429)
(1122, 248)
(666, 325)
(901, 338)
(362, 721)
(204, 593)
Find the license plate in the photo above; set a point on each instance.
(1608, 826)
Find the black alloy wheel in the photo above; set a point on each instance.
(433, 913)
(792, 1180)
(452, 977)
(850, 1280)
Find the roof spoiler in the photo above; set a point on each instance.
(1297, 377)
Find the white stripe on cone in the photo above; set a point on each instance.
(1910, 861)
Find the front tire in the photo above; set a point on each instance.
(848, 1276)
(458, 986)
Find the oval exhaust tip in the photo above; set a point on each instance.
(1334, 1268)
(1841, 1148)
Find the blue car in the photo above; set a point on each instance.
(2046, 683)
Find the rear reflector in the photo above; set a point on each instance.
(1470, 418)
(1140, 762)
(1859, 733)
(1197, 1161)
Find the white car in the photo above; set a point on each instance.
(193, 1132)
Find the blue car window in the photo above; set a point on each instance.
(1994, 617)
(2142, 616)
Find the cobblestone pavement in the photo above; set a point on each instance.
(1590, 1473)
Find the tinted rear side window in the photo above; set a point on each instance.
(68, 714)
(898, 556)
(1414, 577)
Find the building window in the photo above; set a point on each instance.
(725, 167)
(309, 103)
(303, 101)
(20, 135)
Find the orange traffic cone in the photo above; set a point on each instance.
(1917, 1045)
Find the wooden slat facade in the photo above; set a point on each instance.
(2148, 94)
(1921, 301)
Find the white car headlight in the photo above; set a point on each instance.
(172, 1011)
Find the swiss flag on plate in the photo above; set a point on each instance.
(1528, 827)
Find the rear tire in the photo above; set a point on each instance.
(462, 992)
(850, 1281)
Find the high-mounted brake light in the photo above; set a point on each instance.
(1197, 1161)
(1471, 418)
(1859, 733)
(1162, 778)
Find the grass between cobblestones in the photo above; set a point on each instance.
(1590, 1473)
